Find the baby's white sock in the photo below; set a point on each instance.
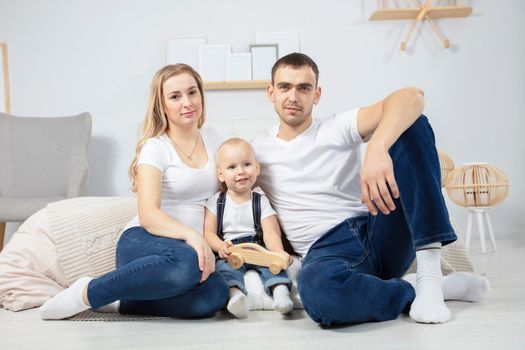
(238, 304)
(67, 303)
(281, 299)
(429, 305)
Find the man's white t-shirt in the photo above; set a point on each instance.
(184, 189)
(312, 181)
(237, 220)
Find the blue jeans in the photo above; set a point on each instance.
(158, 276)
(352, 273)
(235, 277)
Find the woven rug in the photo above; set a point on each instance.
(90, 315)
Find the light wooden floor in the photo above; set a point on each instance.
(497, 323)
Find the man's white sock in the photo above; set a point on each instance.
(429, 305)
(281, 299)
(238, 304)
(67, 303)
(462, 286)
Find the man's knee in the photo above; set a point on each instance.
(328, 293)
(419, 131)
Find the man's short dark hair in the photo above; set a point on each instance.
(295, 60)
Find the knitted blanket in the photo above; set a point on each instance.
(86, 230)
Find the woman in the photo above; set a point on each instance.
(164, 266)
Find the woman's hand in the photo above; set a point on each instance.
(204, 254)
(224, 252)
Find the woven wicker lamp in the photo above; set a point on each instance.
(478, 187)
(446, 165)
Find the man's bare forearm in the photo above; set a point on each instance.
(399, 111)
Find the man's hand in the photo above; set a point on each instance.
(224, 252)
(377, 172)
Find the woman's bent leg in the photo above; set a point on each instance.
(202, 301)
(155, 268)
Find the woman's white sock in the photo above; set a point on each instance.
(109, 308)
(67, 303)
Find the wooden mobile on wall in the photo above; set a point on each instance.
(420, 12)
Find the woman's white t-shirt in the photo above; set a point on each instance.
(184, 189)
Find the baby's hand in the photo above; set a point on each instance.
(224, 252)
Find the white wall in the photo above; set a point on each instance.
(67, 57)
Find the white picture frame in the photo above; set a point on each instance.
(214, 62)
(185, 50)
(288, 41)
(239, 66)
(5, 106)
(263, 59)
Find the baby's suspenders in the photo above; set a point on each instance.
(256, 211)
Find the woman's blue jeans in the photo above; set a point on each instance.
(352, 273)
(158, 276)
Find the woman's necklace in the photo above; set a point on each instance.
(189, 156)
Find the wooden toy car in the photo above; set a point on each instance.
(252, 253)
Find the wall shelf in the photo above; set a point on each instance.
(422, 12)
(236, 84)
(411, 13)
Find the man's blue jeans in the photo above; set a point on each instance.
(352, 273)
(158, 276)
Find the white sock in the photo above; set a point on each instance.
(429, 305)
(109, 308)
(281, 299)
(238, 305)
(259, 301)
(67, 303)
(462, 286)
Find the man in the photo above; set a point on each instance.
(354, 254)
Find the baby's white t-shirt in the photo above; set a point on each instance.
(238, 218)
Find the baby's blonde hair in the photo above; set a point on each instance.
(234, 141)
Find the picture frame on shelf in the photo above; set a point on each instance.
(288, 41)
(5, 106)
(239, 67)
(185, 50)
(263, 58)
(214, 62)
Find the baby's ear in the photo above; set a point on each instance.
(219, 175)
(258, 167)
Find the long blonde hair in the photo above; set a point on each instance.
(156, 121)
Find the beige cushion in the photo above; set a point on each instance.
(29, 269)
